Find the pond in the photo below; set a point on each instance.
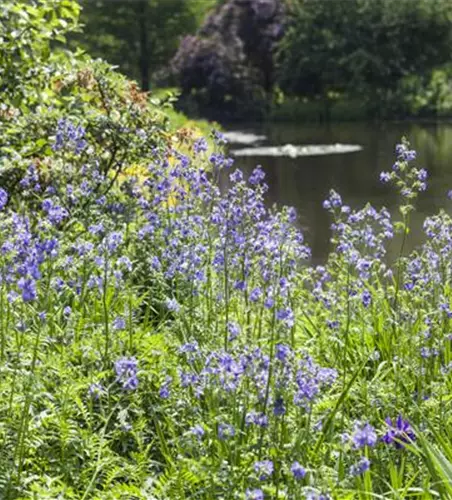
(304, 181)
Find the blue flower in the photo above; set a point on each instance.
(126, 372)
(422, 175)
(360, 467)
(172, 305)
(259, 419)
(364, 435)
(200, 146)
(298, 471)
(164, 391)
(96, 390)
(233, 329)
(366, 298)
(278, 407)
(3, 198)
(255, 294)
(28, 288)
(385, 177)
(226, 431)
(257, 176)
(264, 469)
(283, 352)
(198, 431)
(119, 323)
(254, 494)
(400, 432)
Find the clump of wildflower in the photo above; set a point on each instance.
(126, 373)
(399, 432)
(70, 136)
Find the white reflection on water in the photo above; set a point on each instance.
(293, 151)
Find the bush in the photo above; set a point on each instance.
(227, 68)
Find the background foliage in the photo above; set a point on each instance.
(237, 58)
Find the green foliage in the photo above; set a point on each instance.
(30, 33)
(362, 47)
(140, 37)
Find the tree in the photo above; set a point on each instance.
(362, 46)
(140, 36)
(229, 63)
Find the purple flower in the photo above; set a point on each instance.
(28, 288)
(333, 201)
(298, 471)
(385, 177)
(286, 316)
(164, 391)
(219, 138)
(3, 198)
(119, 323)
(360, 467)
(172, 305)
(422, 175)
(259, 419)
(254, 494)
(282, 352)
(366, 298)
(126, 372)
(200, 146)
(269, 303)
(236, 176)
(233, 330)
(400, 431)
(96, 390)
(278, 407)
(226, 431)
(364, 435)
(256, 176)
(264, 469)
(255, 294)
(198, 431)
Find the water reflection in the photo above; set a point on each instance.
(304, 182)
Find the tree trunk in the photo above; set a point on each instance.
(143, 44)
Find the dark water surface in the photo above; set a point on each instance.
(304, 182)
